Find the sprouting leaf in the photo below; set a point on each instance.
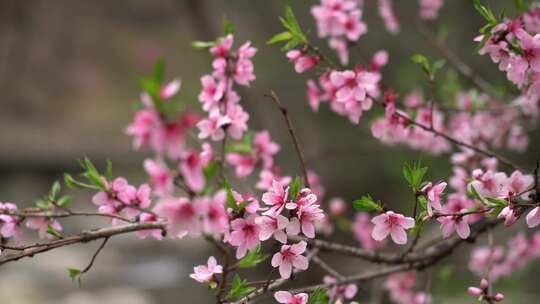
(108, 169)
(202, 44)
(92, 174)
(231, 201)
(54, 232)
(64, 201)
(43, 204)
(319, 296)
(75, 275)
(159, 71)
(283, 36)
(294, 188)
(55, 190)
(367, 204)
(210, 170)
(71, 183)
(438, 64)
(228, 26)
(239, 288)
(485, 12)
(414, 174)
(253, 258)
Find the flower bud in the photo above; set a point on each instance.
(498, 297)
(475, 291)
(484, 284)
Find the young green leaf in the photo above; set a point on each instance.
(283, 36)
(228, 26)
(75, 274)
(319, 296)
(366, 204)
(294, 188)
(200, 45)
(54, 232)
(414, 175)
(55, 190)
(239, 288)
(64, 201)
(231, 201)
(253, 258)
(108, 170)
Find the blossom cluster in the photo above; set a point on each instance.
(401, 289)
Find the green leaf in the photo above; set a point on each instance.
(485, 12)
(239, 288)
(92, 174)
(414, 175)
(497, 202)
(437, 65)
(54, 232)
(213, 285)
(55, 190)
(231, 201)
(283, 36)
(108, 170)
(422, 61)
(367, 204)
(294, 188)
(200, 45)
(319, 296)
(159, 71)
(211, 170)
(43, 204)
(72, 183)
(253, 258)
(64, 201)
(75, 274)
(228, 26)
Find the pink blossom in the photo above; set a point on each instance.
(244, 164)
(265, 148)
(245, 235)
(181, 215)
(391, 223)
(362, 229)
(238, 121)
(213, 126)
(509, 215)
(206, 273)
(170, 89)
(429, 9)
(272, 226)
(143, 127)
(191, 167)
(11, 224)
(306, 218)
(289, 257)
(286, 297)
(267, 177)
(302, 62)
(252, 203)
(434, 193)
(276, 198)
(337, 206)
(41, 224)
(338, 293)
(161, 177)
(313, 95)
(457, 223)
(533, 217)
(518, 182)
(215, 217)
(212, 92)
(386, 11)
(155, 233)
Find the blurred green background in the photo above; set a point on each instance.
(69, 78)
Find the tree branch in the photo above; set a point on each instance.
(290, 127)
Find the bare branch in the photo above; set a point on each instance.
(290, 127)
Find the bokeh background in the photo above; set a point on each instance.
(69, 78)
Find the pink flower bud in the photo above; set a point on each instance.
(475, 291)
(498, 297)
(484, 284)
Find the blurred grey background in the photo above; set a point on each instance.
(68, 81)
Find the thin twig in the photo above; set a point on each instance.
(35, 212)
(96, 253)
(290, 128)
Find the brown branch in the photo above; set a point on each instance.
(317, 260)
(35, 212)
(84, 237)
(455, 61)
(94, 256)
(292, 133)
(458, 142)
